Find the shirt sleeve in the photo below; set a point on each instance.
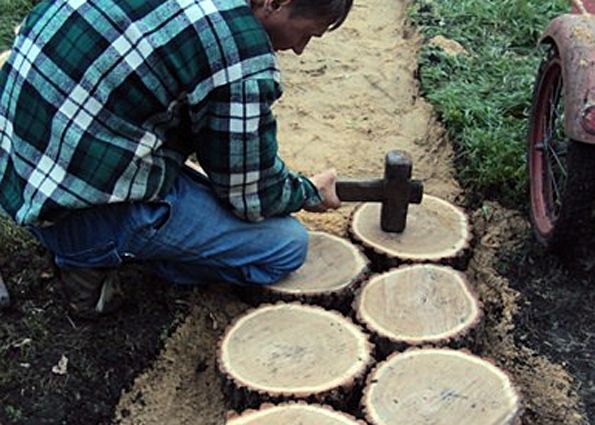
(239, 152)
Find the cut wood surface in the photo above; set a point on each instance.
(418, 304)
(293, 414)
(292, 351)
(333, 270)
(436, 231)
(439, 387)
(332, 264)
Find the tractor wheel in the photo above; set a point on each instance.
(561, 170)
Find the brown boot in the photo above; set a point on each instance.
(92, 293)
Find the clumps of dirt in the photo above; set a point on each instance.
(557, 311)
(57, 369)
(450, 47)
(547, 388)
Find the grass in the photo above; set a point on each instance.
(483, 97)
(14, 238)
(11, 14)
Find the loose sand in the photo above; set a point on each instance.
(348, 99)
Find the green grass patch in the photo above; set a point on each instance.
(484, 97)
(12, 13)
(14, 238)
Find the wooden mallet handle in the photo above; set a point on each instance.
(372, 190)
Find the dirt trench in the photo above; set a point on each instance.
(348, 99)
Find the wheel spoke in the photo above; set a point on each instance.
(554, 147)
(553, 106)
(555, 154)
(554, 151)
(554, 184)
(556, 95)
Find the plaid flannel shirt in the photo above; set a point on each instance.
(102, 101)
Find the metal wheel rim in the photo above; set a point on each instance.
(548, 146)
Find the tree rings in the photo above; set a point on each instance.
(293, 413)
(333, 269)
(436, 231)
(293, 351)
(417, 305)
(440, 387)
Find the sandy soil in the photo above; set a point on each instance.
(350, 98)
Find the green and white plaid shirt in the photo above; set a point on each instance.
(102, 101)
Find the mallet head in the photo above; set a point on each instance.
(399, 191)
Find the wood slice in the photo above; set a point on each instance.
(333, 270)
(419, 304)
(436, 231)
(440, 387)
(293, 413)
(292, 351)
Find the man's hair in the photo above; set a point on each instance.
(335, 11)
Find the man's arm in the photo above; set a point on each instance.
(238, 150)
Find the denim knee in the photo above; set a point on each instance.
(297, 237)
(291, 254)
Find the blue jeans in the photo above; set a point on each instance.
(187, 238)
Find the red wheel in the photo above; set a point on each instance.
(561, 171)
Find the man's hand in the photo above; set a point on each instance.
(325, 183)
